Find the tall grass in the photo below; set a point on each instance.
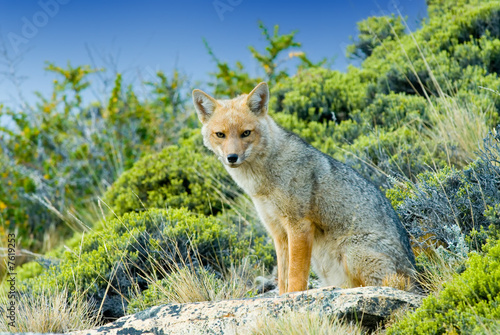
(461, 126)
(173, 277)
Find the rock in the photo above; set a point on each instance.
(367, 305)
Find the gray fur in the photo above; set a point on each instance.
(350, 212)
(294, 186)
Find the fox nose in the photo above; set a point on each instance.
(232, 158)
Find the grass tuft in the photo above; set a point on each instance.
(48, 312)
(398, 281)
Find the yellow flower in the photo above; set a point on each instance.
(295, 54)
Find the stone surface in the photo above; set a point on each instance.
(368, 305)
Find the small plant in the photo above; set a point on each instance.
(234, 81)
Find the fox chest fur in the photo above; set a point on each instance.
(277, 188)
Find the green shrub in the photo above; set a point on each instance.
(184, 175)
(440, 200)
(129, 252)
(424, 61)
(383, 139)
(394, 110)
(319, 94)
(469, 304)
(382, 155)
(132, 247)
(372, 32)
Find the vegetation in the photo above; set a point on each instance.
(468, 304)
(192, 284)
(133, 251)
(183, 175)
(59, 155)
(297, 323)
(49, 312)
(149, 216)
(448, 198)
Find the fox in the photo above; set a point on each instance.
(319, 211)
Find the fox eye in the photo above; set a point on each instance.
(220, 135)
(246, 133)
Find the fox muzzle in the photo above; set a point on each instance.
(232, 158)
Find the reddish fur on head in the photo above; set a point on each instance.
(232, 127)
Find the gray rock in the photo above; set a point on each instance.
(367, 305)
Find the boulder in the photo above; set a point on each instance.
(366, 305)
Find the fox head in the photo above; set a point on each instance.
(233, 129)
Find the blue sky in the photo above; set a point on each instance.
(144, 36)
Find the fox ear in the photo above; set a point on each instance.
(258, 99)
(204, 104)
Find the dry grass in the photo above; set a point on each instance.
(460, 127)
(188, 284)
(438, 270)
(398, 281)
(300, 323)
(185, 282)
(48, 312)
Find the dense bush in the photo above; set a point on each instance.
(372, 32)
(398, 65)
(382, 155)
(449, 197)
(320, 94)
(184, 175)
(394, 111)
(469, 304)
(452, 53)
(126, 251)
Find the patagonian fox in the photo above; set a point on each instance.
(318, 210)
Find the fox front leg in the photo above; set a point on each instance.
(300, 241)
(282, 254)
